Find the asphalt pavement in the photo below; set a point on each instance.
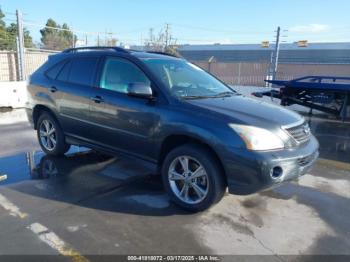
(87, 204)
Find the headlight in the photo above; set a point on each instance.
(257, 138)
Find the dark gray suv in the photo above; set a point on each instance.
(197, 132)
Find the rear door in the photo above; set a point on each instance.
(75, 83)
(120, 121)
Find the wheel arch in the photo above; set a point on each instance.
(176, 140)
(38, 110)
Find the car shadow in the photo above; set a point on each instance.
(94, 180)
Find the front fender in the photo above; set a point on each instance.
(215, 140)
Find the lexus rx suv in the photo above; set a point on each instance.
(200, 135)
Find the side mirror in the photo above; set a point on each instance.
(140, 90)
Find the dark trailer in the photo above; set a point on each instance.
(324, 93)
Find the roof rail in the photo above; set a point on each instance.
(163, 53)
(92, 48)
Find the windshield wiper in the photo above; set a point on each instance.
(195, 97)
(225, 94)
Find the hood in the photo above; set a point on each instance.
(249, 111)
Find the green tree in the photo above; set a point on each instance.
(3, 33)
(56, 37)
(8, 35)
(2, 22)
(12, 33)
(67, 35)
(49, 35)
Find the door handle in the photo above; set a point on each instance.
(97, 99)
(53, 89)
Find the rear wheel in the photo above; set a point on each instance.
(193, 177)
(50, 135)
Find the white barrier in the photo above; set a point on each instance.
(13, 94)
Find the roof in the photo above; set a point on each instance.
(141, 54)
(115, 50)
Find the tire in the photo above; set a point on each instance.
(53, 144)
(211, 183)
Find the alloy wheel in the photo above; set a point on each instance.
(188, 179)
(48, 136)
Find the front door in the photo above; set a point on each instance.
(122, 122)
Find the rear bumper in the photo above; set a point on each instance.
(250, 172)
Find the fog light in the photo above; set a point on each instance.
(276, 172)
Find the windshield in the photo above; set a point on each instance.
(186, 80)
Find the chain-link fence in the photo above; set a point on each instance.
(8, 66)
(237, 73)
(291, 71)
(254, 74)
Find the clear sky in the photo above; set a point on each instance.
(193, 21)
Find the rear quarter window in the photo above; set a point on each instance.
(55, 70)
(64, 73)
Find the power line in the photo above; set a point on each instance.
(9, 20)
(136, 30)
(218, 31)
(61, 29)
(9, 13)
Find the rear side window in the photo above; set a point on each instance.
(82, 70)
(54, 71)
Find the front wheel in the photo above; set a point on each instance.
(50, 135)
(193, 178)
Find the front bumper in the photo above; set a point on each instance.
(249, 172)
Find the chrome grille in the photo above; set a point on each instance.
(301, 133)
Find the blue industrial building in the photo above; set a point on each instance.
(312, 53)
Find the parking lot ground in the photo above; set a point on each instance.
(87, 203)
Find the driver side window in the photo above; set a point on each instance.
(119, 73)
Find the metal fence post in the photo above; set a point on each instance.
(20, 47)
(18, 59)
(210, 61)
(276, 56)
(239, 73)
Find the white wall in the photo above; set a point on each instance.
(13, 94)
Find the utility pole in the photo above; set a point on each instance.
(20, 46)
(150, 44)
(151, 35)
(166, 35)
(276, 54)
